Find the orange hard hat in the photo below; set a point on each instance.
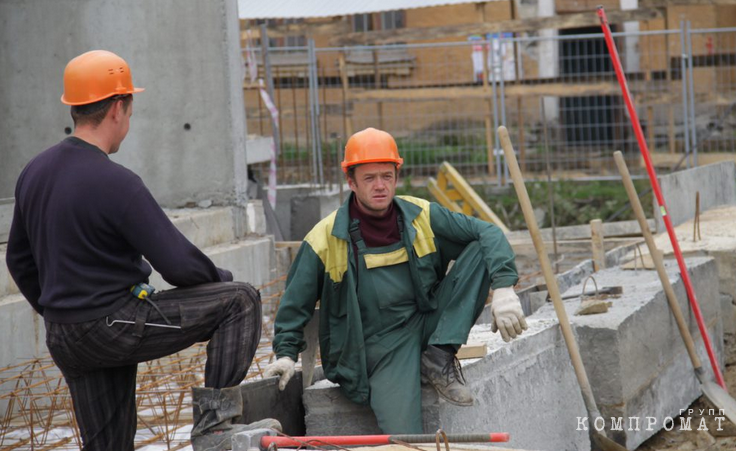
(94, 76)
(371, 146)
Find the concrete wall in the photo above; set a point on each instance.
(186, 53)
(715, 182)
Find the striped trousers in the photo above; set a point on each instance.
(99, 360)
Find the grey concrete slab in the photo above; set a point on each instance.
(204, 227)
(187, 135)
(307, 210)
(22, 331)
(716, 184)
(6, 218)
(284, 194)
(635, 358)
(7, 285)
(717, 238)
(582, 231)
(251, 260)
(526, 387)
(263, 399)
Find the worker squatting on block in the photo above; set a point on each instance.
(390, 313)
(81, 227)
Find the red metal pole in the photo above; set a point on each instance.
(658, 195)
(367, 440)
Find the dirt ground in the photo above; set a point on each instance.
(711, 440)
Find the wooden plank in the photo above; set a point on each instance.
(542, 89)
(587, 19)
(582, 231)
(596, 242)
(347, 120)
(472, 351)
(470, 197)
(666, 3)
(332, 27)
(441, 197)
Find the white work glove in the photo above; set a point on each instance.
(284, 368)
(507, 315)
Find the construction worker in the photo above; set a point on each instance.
(390, 313)
(81, 228)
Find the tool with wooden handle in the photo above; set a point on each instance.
(715, 394)
(644, 150)
(368, 440)
(598, 438)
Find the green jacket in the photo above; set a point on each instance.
(324, 270)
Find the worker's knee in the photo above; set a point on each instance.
(246, 299)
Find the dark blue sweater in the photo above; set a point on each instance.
(81, 228)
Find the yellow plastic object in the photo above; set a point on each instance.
(452, 191)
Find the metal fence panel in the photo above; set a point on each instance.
(444, 101)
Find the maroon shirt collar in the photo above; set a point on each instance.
(376, 231)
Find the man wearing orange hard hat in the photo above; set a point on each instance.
(81, 230)
(390, 313)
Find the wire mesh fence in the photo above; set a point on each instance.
(556, 93)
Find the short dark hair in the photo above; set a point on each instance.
(94, 113)
(351, 170)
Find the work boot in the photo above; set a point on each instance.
(213, 413)
(442, 370)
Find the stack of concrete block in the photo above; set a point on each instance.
(526, 387)
(634, 356)
(214, 230)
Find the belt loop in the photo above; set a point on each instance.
(141, 315)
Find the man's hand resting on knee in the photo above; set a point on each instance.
(284, 368)
(508, 317)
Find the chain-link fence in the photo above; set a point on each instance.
(555, 92)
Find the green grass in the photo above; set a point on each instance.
(574, 202)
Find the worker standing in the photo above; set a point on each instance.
(390, 313)
(81, 228)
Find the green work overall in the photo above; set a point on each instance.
(395, 332)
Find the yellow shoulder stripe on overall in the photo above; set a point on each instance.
(331, 250)
(387, 259)
(424, 241)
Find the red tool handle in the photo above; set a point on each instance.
(658, 194)
(366, 440)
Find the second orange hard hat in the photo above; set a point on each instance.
(371, 146)
(94, 76)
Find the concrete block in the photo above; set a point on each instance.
(284, 194)
(634, 355)
(252, 260)
(715, 182)
(204, 227)
(7, 285)
(6, 218)
(263, 399)
(181, 125)
(256, 217)
(258, 149)
(22, 331)
(526, 387)
(310, 209)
